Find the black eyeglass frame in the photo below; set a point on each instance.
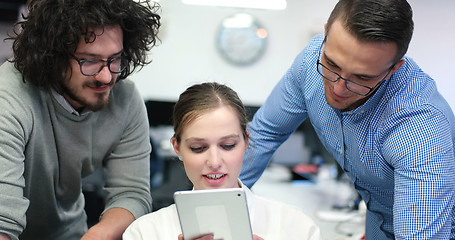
(347, 80)
(105, 63)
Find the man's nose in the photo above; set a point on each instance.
(339, 86)
(104, 76)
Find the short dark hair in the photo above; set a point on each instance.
(53, 28)
(200, 98)
(376, 21)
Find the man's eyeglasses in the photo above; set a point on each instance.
(351, 85)
(91, 67)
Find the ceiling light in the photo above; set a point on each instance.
(262, 4)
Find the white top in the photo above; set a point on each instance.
(270, 220)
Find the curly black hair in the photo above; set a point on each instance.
(53, 28)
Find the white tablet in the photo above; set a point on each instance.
(223, 212)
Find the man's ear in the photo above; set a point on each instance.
(397, 66)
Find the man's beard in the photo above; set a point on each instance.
(100, 103)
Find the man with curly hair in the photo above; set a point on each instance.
(67, 109)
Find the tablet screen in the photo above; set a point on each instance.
(223, 212)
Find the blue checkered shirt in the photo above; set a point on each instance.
(397, 148)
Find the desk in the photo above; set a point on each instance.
(314, 198)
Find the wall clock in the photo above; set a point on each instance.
(241, 40)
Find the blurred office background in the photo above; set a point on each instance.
(301, 172)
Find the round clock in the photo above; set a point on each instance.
(241, 40)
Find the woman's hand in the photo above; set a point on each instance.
(210, 237)
(205, 237)
(256, 237)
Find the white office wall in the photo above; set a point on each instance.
(433, 44)
(188, 52)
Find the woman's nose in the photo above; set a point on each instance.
(214, 159)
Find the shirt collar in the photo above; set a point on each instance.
(249, 201)
(372, 102)
(66, 105)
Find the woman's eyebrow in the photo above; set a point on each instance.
(198, 139)
(194, 139)
(231, 136)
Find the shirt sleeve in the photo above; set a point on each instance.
(283, 111)
(15, 126)
(419, 146)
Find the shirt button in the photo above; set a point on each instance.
(362, 111)
(340, 151)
